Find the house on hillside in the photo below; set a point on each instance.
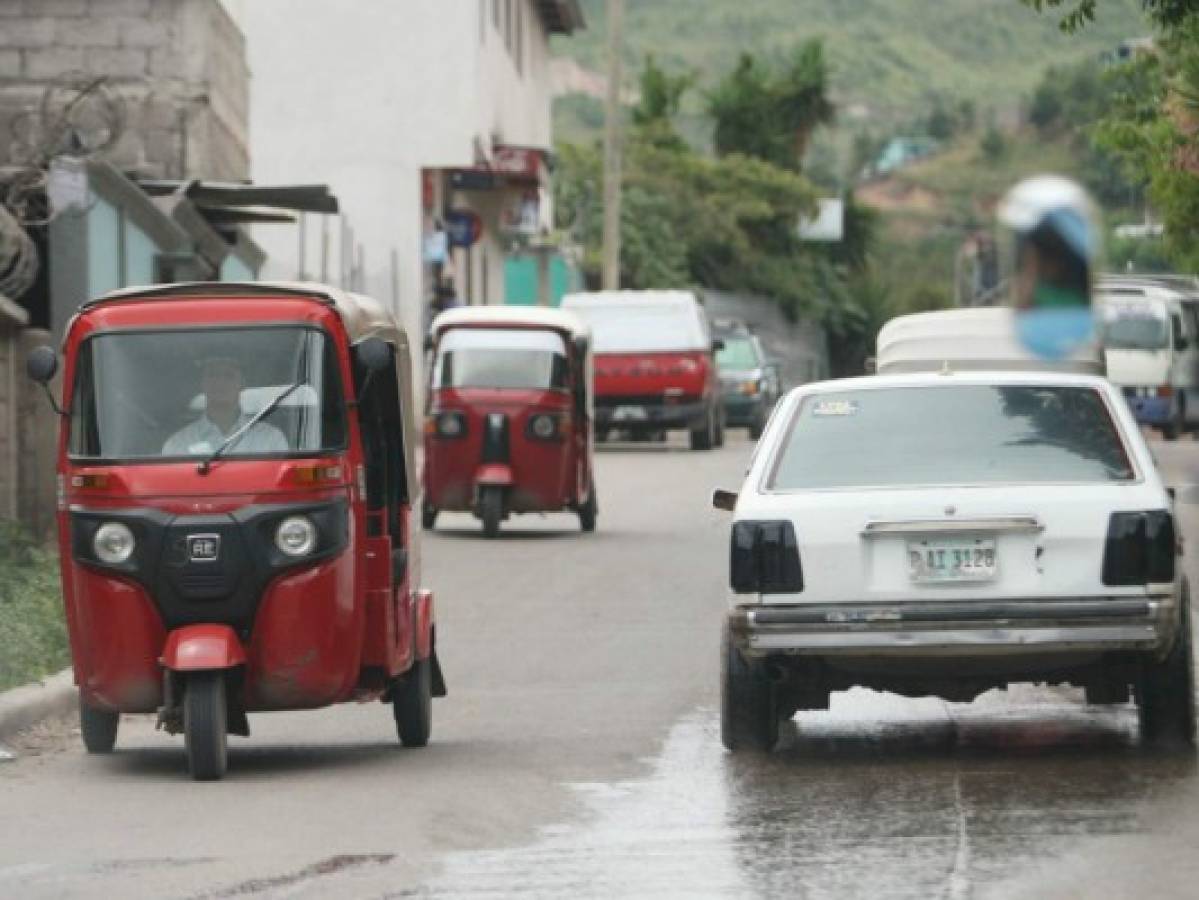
(900, 152)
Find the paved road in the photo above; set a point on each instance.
(577, 754)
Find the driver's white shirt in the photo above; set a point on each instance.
(204, 436)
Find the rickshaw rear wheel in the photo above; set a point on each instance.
(412, 705)
(491, 510)
(205, 726)
(588, 512)
(98, 727)
(428, 516)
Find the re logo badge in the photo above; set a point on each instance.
(203, 547)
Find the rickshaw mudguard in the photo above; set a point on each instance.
(494, 475)
(197, 648)
(426, 647)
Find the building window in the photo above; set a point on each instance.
(482, 21)
(495, 13)
(508, 25)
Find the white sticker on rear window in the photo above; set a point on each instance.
(825, 408)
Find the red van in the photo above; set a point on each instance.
(654, 364)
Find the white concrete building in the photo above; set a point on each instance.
(409, 110)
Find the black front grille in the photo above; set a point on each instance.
(610, 402)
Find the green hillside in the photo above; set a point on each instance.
(888, 56)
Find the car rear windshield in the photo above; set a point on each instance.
(1130, 325)
(630, 327)
(738, 354)
(960, 434)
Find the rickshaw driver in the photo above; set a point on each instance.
(221, 381)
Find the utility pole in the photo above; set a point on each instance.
(612, 147)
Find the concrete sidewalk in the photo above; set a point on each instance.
(25, 706)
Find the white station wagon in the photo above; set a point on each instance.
(951, 530)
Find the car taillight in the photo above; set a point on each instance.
(1141, 549)
(764, 559)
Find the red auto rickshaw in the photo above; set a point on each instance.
(235, 477)
(509, 424)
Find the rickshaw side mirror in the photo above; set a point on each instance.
(41, 364)
(718, 345)
(428, 343)
(374, 354)
(725, 501)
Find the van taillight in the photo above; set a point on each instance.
(764, 559)
(1141, 549)
(1165, 390)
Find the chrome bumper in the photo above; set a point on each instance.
(955, 628)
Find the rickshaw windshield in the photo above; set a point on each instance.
(162, 395)
(501, 358)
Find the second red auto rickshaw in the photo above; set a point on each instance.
(235, 478)
(509, 425)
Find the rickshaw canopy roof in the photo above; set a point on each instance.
(512, 317)
(362, 316)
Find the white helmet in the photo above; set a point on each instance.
(1051, 203)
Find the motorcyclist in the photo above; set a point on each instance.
(1053, 230)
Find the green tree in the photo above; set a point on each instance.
(1077, 13)
(770, 114)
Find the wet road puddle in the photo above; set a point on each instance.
(879, 797)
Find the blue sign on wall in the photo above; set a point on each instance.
(464, 227)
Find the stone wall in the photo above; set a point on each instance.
(178, 65)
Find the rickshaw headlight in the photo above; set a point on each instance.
(296, 536)
(544, 427)
(451, 425)
(114, 543)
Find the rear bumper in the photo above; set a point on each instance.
(958, 628)
(741, 410)
(644, 416)
(1151, 410)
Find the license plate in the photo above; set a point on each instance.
(629, 413)
(964, 559)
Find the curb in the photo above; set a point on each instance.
(29, 704)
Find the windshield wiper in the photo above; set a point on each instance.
(206, 463)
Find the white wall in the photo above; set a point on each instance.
(363, 94)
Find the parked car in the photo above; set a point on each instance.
(1150, 332)
(654, 365)
(749, 381)
(952, 530)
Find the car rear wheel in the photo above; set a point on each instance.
(428, 516)
(1166, 693)
(491, 510)
(205, 726)
(758, 425)
(98, 727)
(749, 718)
(703, 437)
(412, 705)
(1177, 424)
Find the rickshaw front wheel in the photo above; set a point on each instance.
(98, 727)
(205, 725)
(491, 510)
(412, 704)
